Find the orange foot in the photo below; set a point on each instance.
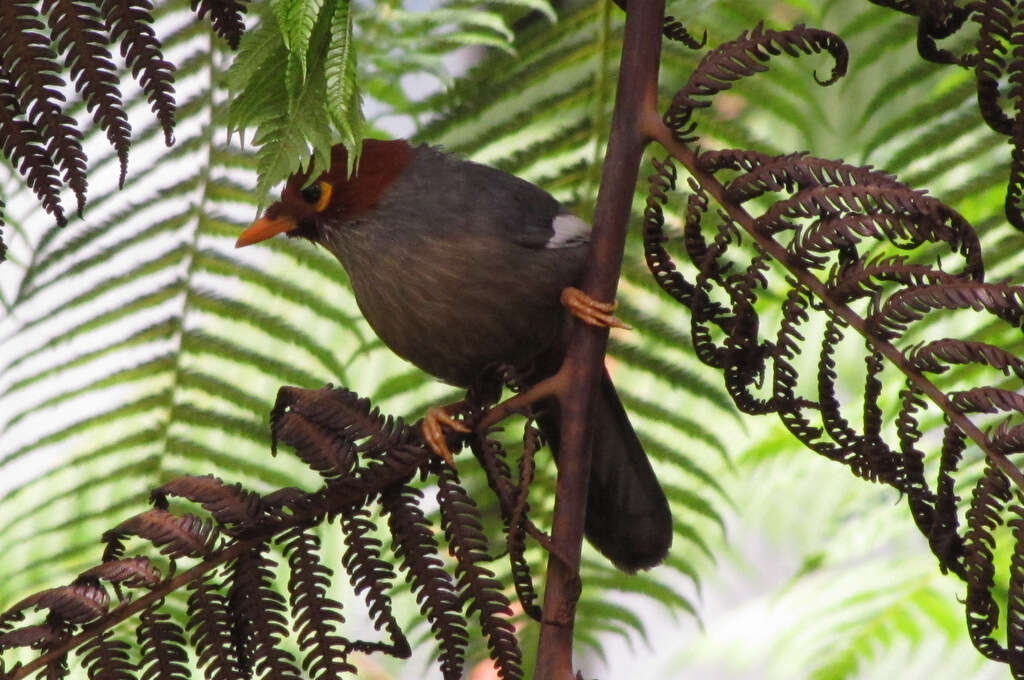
(590, 311)
(433, 421)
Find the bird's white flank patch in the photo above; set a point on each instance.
(569, 231)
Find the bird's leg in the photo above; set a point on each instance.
(584, 308)
(590, 311)
(518, 403)
(434, 421)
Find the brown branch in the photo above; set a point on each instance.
(635, 101)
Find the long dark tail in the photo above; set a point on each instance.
(628, 517)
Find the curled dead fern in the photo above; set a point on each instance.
(161, 642)
(435, 590)
(742, 58)
(239, 623)
(176, 536)
(846, 263)
(997, 60)
(318, 618)
(937, 19)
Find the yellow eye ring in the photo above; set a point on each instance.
(325, 195)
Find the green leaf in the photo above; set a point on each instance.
(296, 19)
(344, 102)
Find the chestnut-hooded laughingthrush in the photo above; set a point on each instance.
(463, 269)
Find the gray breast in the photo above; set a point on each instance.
(458, 293)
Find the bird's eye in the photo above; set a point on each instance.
(318, 195)
(311, 194)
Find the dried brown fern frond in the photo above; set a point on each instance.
(435, 590)
(998, 63)
(25, 147)
(478, 590)
(742, 58)
(238, 620)
(129, 23)
(226, 17)
(374, 578)
(257, 615)
(30, 66)
(318, 618)
(106, 657)
(210, 630)
(161, 642)
(77, 31)
(814, 273)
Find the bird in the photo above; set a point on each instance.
(463, 269)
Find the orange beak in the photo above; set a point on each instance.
(264, 228)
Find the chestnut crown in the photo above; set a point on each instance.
(333, 197)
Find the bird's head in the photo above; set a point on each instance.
(311, 209)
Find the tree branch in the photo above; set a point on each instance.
(635, 102)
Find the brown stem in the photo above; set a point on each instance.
(635, 103)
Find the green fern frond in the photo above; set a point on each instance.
(279, 85)
(294, 80)
(296, 19)
(344, 103)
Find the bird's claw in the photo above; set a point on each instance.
(433, 431)
(590, 311)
